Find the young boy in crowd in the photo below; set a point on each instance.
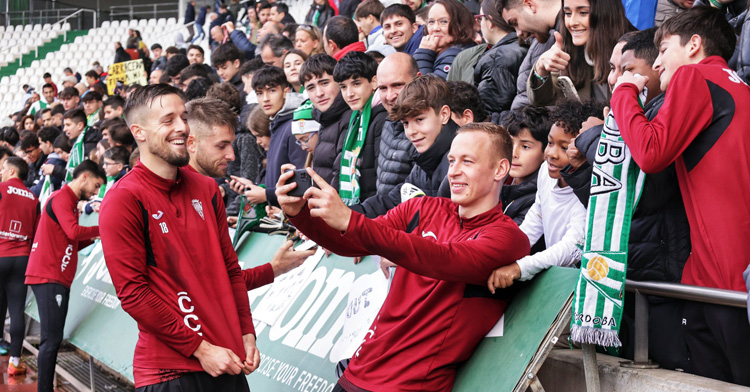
(529, 128)
(356, 75)
(227, 60)
(423, 108)
(54, 165)
(92, 103)
(466, 105)
(113, 107)
(556, 213)
(278, 103)
(702, 128)
(247, 70)
(115, 166)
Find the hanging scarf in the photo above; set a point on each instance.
(616, 186)
(249, 217)
(76, 156)
(46, 191)
(355, 139)
(105, 188)
(316, 16)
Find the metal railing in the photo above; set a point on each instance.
(142, 11)
(669, 290)
(44, 16)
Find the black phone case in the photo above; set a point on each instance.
(303, 181)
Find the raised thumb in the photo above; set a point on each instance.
(558, 40)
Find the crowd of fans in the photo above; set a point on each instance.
(373, 98)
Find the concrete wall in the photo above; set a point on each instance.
(563, 372)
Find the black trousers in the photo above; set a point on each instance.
(200, 382)
(13, 290)
(719, 341)
(52, 300)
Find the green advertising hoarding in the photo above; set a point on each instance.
(319, 321)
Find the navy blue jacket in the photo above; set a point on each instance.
(239, 39)
(281, 150)
(414, 41)
(201, 19)
(189, 13)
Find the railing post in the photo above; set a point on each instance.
(590, 368)
(640, 357)
(91, 374)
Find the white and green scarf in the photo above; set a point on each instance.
(616, 186)
(249, 217)
(355, 140)
(76, 156)
(46, 191)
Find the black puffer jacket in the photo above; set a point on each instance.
(659, 231)
(517, 199)
(496, 72)
(396, 157)
(742, 52)
(247, 158)
(368, 157)
(333, 126)
(427, 174)
(326, 12)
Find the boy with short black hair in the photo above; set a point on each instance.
(56, 172)
(247, 70)
(466, 105)
(703, 130)
(115, 166)
(529, 128)
(92, 103)
(356, 74)
(278, 103)
(113, 107)
(556, 213)
(227, 60)
(82, 138)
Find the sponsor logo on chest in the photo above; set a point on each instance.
(20, 192)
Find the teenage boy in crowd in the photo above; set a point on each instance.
(445, 247)
(466, 104)
(557, 214)
(423, 109)
(227, 61)
(367, 18)
(113, 107)
(396, 158)
(69, 98)
(356, 75)
(57, 112)
(151, 214)
(19, 215)
(278, 103)
(659, 232)
(54, 165)
(92, 103)
(34, 156)
(703, 143)
(329, 110)
(75, 128)
(54, 259)
(400, 28)
(195, 54)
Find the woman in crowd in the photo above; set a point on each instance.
(320, 12)
(309, 39)
(450, 29)
(253, 24)
(496, 72)
(27, 124)
(260, 126)
(581, 52)
(292, 63)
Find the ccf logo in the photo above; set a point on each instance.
(66, 258)
(190, 319)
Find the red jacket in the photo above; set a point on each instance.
(358, 46)
(19, 215)
(702, 127)
(438, 308)
(54, 255)
(167, 247)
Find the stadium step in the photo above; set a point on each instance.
(52, 46)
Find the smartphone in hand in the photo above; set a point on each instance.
(303, 180)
